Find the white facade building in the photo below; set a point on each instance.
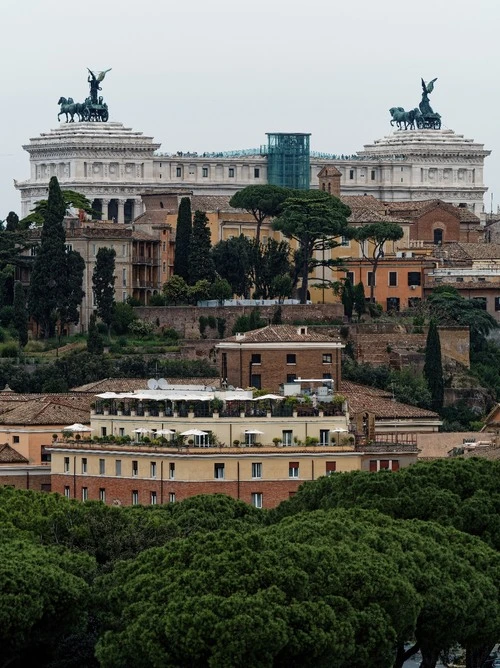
(112, 165)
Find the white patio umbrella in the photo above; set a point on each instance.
(194, 432)
(278, 397)
(142, 430)
(77, 427)
(165, 432)
(338, 431)
(253, 431)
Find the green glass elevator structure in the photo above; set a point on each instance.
(288, 159)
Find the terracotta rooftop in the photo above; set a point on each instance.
(45, 410)
(413, 209)
(132, 384)
(380, 403)
(212, 203)
(10, 456)
(280, 333)
(469, 251)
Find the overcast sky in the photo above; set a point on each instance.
(214, 75)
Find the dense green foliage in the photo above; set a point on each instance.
(345, 573)
(20, 314)
(201, 264)
(183, 239)
(95, 344)
(246, 323)
(55, 291)
(315, 221)
(433, 367)
(261, 201)
(103, 284)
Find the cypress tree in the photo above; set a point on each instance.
(95, 344)
(359, 300)
(20, 317)
(183, 239)
(433, 367)
(348, 298)
(103, 281)
(49, 274)
(201, 264)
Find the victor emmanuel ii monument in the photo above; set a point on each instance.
(112, 164)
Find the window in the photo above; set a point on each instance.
(370, 279)
(104, 431)
(395, 464)
(291, 358)
(287, 437)
(135, 468)
(327, 376)
(331, 467)
(384, 465)
(204, 172)
(124, 297)
(67, 492)
(219, 471)
(350, 277)
(135, 497)
(231, 172)
(15, 439)
(393, 279)
(414, 278)
(327, 358)
(66, 465)
(256, 359)
(85, 493)
(345, 241)
(324, 436)
(256, 381)
(373, 175)
(460, 279)
(124, 277)
(393, 304)
(351, 174)
(152, 498)
(171, 497)
(293, 469)
(164, 246)
(153, 470)
(102, 466)
(497, 303)
(68, 248)
(178, 172)
(438, 236)
(171, 471)
(102, 495)
(121, 431)
(256, 470)
(34, 251)
(256, 172)
(257, 499)
(164, 267)
(290, 377)
(124, 250)
(118, 467)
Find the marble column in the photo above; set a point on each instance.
(104, 205)
(121, 211)
(137, 208)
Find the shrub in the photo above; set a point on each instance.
(171, 334)
(157, 300)
(10, 350)
(6, 315)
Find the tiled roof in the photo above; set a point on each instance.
(472, 251)
(363, 201)
(280, 333)
(10, 456)
(368, 215)
(211, 203)
(45, 410)
(380, 403)
(413, 209)
(132, 384)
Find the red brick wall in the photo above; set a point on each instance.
(37, 483)
(274, 369)
(121, 489)
(423, 228)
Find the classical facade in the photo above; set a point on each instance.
(112, 165)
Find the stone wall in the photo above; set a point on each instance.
(185, 319)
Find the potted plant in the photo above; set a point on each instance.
(217, 405)
(105, 407)
(236, 442)
(276, 441)
(120, 408)
(161, 409)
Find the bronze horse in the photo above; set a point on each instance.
(70, 108)
(406, 118)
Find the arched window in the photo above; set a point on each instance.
(438, 236)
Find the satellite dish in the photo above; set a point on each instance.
(153, 384)
(162, 383)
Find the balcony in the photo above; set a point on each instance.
(143, 284)
(146, 260)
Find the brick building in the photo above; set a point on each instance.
(277, 354)
(263, 477)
